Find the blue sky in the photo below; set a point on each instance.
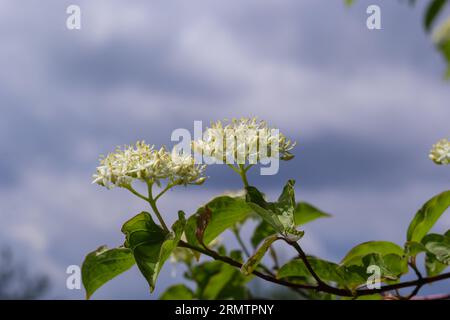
(365, 107)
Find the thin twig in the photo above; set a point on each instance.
(323, 288)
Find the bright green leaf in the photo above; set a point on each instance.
(427, 216)
(392, 266)
(355, 255)
(327, 271)
(226, 211)
(439, 246)
(433, 266)
(102, 265)
(252, 262)
(304, 213)
(413, 248)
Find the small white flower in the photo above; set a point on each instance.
(144, 162)
(243, 141)
(440, 153)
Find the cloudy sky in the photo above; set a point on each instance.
(364, 105)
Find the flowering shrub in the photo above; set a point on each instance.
(371, 269)
(440, 153)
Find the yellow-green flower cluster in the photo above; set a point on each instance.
(243, 141)
(440, 153)
(144, 162)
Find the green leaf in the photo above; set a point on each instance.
(355, 255)
(439, 246)
(413, 248)
(262, 231)
(177, 292)
(327, 271)
(433, 266)
(217, 280)
(353, 275)
(266, 210)
(102, 265)
(392, 266)
(432, 11)
(151, 245)
(280, 214)
(226, 211)
(304, 213)
(252, 262)
(427, 216)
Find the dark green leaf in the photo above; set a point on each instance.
(151, 245)
(102, 265)
(177, 292)
(262, 231)
(432, 11)
(427, 216)
(217, 280)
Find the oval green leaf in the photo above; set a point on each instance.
(427, 216)
(355, 255)
(102, 265)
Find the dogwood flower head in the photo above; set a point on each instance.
(440, 153)
(184, 170)
(243, 140)
(144, 162)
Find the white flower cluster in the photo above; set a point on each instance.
(440, 153)
(243, 141)
(144, 162)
